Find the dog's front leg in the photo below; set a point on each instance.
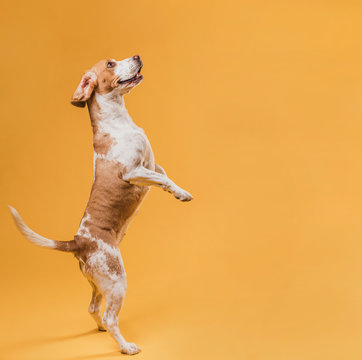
(144, 177)
(159, 169)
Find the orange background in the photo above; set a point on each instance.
(255, 107)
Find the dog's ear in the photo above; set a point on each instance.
(84, 89)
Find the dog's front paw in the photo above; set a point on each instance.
(182, 195)
(166, 188)
(130, 349)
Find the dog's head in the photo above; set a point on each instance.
(106, 76)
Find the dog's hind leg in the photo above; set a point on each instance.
(114, 300)
(95, 306)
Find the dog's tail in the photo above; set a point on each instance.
(67, 246)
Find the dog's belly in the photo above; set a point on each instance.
(122, 232)
(112, 203)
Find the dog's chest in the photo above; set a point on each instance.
(128, 145)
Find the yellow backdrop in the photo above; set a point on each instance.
(255, 107)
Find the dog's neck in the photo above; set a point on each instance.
(107, 112)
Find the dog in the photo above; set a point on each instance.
(124, 170)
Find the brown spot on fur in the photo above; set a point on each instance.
(84, 248)
(112, 200)
(102, 143)
(113, 264)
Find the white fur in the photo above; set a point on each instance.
(130, 143)
(30, 234)
(83, 230)
(126, 68)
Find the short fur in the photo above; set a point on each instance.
(124, 170)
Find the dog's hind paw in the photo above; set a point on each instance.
(130, 349)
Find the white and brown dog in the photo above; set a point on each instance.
(124, 170)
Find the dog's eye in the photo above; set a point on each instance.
(110, 64)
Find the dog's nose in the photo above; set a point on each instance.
(136, 57)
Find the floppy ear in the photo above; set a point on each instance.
(84, 89)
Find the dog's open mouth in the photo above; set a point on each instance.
(137, 77)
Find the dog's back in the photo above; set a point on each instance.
(112, 204)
